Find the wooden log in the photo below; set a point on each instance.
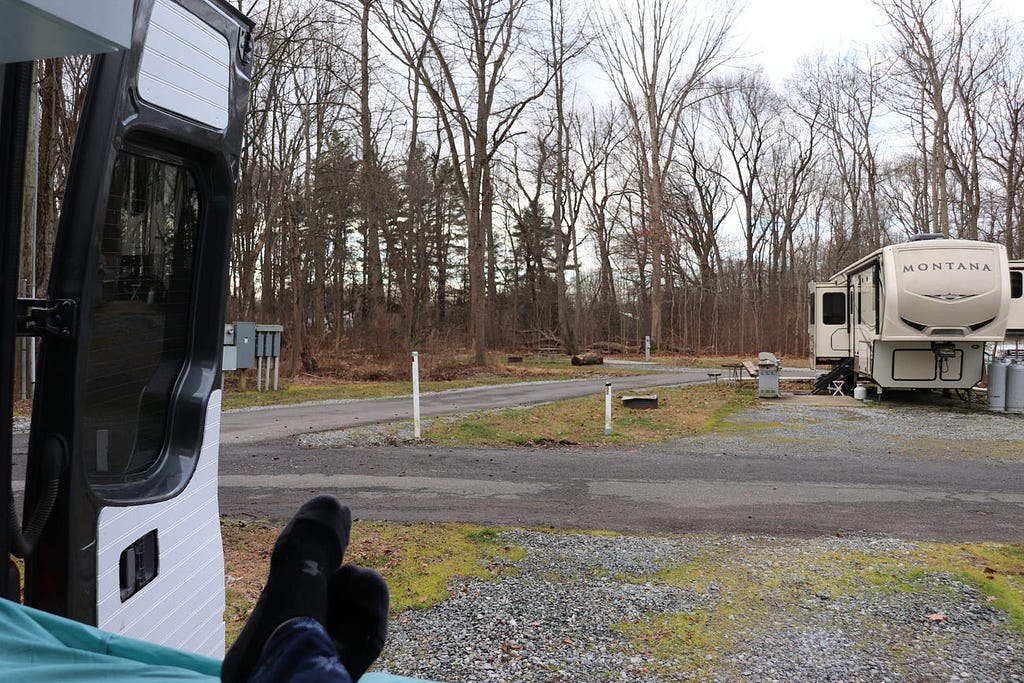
(588, 359)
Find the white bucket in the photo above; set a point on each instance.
(860, 392)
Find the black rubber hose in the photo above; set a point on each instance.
(23, 543)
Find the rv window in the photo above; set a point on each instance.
(140, 314)
(833, 308)
(1016, 284)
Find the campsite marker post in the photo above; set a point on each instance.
(416, 393)
(607, 408)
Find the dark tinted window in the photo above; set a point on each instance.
(139, 323)
(833, 308)
(1016, 284)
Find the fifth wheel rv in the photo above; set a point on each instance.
(915, 315)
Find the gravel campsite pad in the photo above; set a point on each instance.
(607, 608)
(788, 427)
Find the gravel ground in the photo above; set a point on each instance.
(21, 425)
(784, 610)
(918, 430)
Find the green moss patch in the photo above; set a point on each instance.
(419, 561)
(681, 412)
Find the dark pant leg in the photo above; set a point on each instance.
(299, 651)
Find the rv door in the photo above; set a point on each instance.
(1015, 320)
(828, 323)
(127, 407)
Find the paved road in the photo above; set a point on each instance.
(254, 426)
(662, 489)
(674, 487)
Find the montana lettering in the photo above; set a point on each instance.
(947, 265)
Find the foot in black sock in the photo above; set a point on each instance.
(306, 553)
(357, 616)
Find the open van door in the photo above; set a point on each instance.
(125, 424)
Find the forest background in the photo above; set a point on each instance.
(498, 174)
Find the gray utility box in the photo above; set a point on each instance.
(245, 345)
(768, 367)
(268, 341)
(239, 346)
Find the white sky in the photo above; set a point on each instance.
(777, 33)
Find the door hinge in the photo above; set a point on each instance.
(45, 318)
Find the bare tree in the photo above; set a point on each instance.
(602, 138)
(659, 54)
(700, 203)
(841, 100)
(1006, 147)
(473, 74)
(373, 210)
(566, 43)
(746, 116)
(928, 59)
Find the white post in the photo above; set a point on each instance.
(266, 365)
(259, 373)
(607, 408)
(416, 393)
(647, 347)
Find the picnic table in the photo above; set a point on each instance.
(734, 369)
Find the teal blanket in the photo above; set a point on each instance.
(38, 647)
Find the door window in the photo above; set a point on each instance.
(833, 305)
(140, 317)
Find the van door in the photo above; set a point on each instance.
(127, 406)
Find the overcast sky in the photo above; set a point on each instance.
(777, 33)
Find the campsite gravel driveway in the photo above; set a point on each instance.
(616, 608)
(567, 610)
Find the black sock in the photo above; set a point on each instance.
(357, 616)
(306, 553)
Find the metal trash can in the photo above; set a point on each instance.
(768, 375)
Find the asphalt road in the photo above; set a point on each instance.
(676, 487)
(654, 489)
(263, 424)
(671, 487)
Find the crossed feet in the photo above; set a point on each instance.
(307, 579)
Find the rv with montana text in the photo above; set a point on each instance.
(916, 315)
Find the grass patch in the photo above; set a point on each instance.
(674, 642)
(419, 561)
(766, 582)
(997, 569)
(681, 412)
(322, 389)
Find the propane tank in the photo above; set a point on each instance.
(860, 392)
(997, 385)
(1015, 388)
